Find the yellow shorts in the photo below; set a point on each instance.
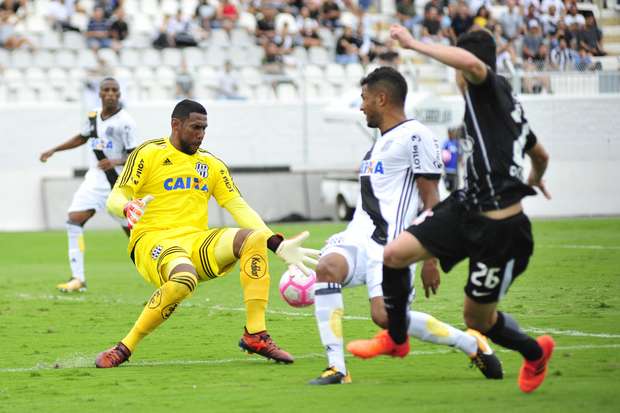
(154, 250)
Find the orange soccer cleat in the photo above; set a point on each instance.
(381, 344)
(533, 373)
(113, 357)
(262, 344)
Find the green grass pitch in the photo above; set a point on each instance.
(192, 363)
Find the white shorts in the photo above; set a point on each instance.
(88, 197)
(365, 261)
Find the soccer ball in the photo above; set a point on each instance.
(296, 288)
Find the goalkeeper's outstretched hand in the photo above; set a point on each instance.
(135, 209)
(292, 252)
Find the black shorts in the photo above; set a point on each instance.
(498, 250)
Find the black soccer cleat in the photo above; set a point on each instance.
(485, 359)
(331, 376)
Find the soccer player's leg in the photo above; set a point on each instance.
(396, 286)
(76, 247)
(250, 247)
(335, 265)
(169, 267)
(486, 284)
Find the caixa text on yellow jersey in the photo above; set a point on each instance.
(184, 182)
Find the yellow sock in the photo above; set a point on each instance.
(255, 315)
(162, 304)
(254, 277)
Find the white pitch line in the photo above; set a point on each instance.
(83, 362)
(581, 247)
(217, 307)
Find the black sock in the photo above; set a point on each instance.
(506, 333)
(396, 287)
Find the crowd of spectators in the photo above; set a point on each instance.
(532, 35)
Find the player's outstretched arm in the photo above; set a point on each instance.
(74, 142)
(293, 253)
(540, 160)
(473, 68)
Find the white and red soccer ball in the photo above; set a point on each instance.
(296, 288)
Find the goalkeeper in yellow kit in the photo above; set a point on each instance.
(163, 192)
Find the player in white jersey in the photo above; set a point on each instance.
(111, 133)
(401, 169)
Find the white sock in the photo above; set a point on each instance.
(328, 309)
(427, 328)
(75, 233)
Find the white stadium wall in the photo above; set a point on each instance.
(582, 135)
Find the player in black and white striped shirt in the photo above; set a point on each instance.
(483, 222)
(398, 175)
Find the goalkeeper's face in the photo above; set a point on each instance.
(190, 132)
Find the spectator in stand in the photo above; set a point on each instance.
(532, 15)
(98, 31)
(450, 158)
(406, 13)
(266, 24)
(119, 29)
(387, 54)
(462, 22)
(573, 33)
(205, 14)
(558, 4)
(228, 85)
(273, 61)
(285, 40)
(228, 15)
(506, 53)
(109, 6)
(184, 83)
(562, 57)
(314, 8)
(308, 35)
(431, 26)
(294, 6)
(180, 31)
(474, 5)
(330, 14)
(550, 21)
(590, 37)
(347, 47)
(59, 14)
(511, 21)
(16, 7)
(305, 21)
(532, 41)
(483, 17)
(9, 39)
(583, 60)
(573, 16)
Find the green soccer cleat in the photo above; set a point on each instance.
(331, 376)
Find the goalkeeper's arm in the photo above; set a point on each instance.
(290, 250)
(118, 198)
(121, 203)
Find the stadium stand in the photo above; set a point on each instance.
(545, 46)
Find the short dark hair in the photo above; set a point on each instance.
(108, 79)
(391, 80)
(185, 107)
(481, 44)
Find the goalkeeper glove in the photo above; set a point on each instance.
(291, 251)
(135, 209)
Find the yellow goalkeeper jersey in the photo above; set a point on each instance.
(181, 185)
